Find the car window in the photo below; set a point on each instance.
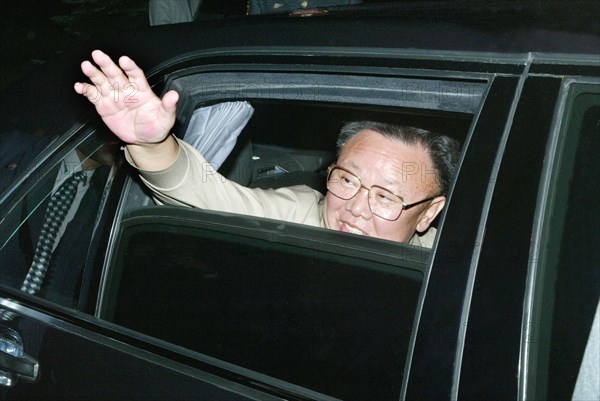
(291, 137)
(48, 230)
(310, 307)
(18, 149)
(567, 279)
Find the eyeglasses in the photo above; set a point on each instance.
(382, 202)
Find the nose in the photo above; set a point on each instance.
(359, 204)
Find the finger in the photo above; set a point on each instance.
(95, 75)
(89, 91)
(169, 101)
(134, 73)
(167, 110)
(113, 73)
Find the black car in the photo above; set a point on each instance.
(151, 302)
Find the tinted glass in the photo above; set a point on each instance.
(18, 149)
(331, 323)
(568, 282)
(47, 238)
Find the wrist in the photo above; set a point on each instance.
(154, 156)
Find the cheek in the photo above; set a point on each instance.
(392, 230)
(384, 228)
(332, 206)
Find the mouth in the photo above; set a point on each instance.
(353, 230)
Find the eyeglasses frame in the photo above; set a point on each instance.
(405, 206)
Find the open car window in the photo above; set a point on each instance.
(291, 137)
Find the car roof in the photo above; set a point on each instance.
(439, 29)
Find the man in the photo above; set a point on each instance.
(59, 218)
(18, 148)
(389, 182)
(272, 7)
(162, 12)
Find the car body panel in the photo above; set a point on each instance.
(514, 198)
(79, 361)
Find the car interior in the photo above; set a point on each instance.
(307, 145)
(291, 137)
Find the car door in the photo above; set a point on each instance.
(50, 349)
(122, 328)
(178, 314)
(535, 287)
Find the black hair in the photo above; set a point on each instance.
(442, 149)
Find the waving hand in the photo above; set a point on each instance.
(127, 104)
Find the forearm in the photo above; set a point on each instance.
(154, 156)
(193, 182)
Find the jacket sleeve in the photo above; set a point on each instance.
(193, 182)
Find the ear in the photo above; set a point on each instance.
(429, 214)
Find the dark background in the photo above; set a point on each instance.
(35, 31)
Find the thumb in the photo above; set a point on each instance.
(169, 101)
(166, 112)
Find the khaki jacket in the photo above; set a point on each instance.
(193, 182)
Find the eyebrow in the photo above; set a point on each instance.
(395, 191)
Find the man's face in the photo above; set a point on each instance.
(404, 170)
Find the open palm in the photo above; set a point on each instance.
(125, 101)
